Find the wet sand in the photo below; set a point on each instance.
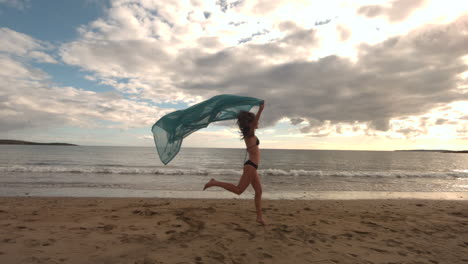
(145, 231)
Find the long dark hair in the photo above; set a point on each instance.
(244, 120)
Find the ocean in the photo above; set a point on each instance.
(103, 171)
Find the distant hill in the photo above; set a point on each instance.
(435, 150)
(20, 142)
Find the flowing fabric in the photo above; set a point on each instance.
(171, 129)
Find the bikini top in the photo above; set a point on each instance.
(258, 143)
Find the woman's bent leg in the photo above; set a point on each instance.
(239, 189)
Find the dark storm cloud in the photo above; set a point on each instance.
(296, 121)
(397, 11)
(403, 76)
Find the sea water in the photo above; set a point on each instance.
(98, 171)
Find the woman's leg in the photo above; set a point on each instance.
(244, 182)
(258, 197)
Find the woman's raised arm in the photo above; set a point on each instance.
(259, 113)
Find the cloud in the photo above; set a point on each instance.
(166, 53)
(144, 49)
(19, 44)
(244, 40)
(402, 76)
(441, 121)
(224, 5)
(343, 32)
(396, 11)
(324, 22)
(30, 100)
(296, 121)
(18, 4)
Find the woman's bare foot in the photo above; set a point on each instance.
(261, 221)
(209, 184)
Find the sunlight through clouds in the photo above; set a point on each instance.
(328, 70)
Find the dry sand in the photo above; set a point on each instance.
(128, 230)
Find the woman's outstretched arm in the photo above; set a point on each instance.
(260, 109)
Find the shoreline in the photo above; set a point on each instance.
(222, 194)
(150, 230)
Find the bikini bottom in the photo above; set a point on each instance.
(251, 163)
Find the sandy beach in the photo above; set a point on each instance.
(144, 231)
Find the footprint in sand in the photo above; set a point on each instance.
(210, 210)
(147, 261)
(347, 235)
(284, 228)
(379, 250)
(9, 240)
(46, 243)
(392, 243)
(156, 205)
(216, 255)
(32, 243)
(251, 235)
(459, 214)
(136, 238)
(107, 227)
(372, 224)
(146, 212)
(361, 232)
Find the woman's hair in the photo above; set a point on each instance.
(244, 120)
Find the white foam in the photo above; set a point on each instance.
(209, 172)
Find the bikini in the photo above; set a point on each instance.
(249, 162)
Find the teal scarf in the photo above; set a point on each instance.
(171, 129)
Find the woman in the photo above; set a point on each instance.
(247, 122)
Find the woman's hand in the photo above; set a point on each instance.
(260, 109)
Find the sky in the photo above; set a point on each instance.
(345, 75)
